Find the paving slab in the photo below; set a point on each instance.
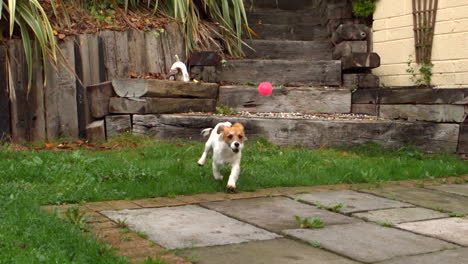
(453, 229)
(400, 215)
(352, 201)
(369, 242)
(189, 226)
(277, 251)
(275, 213)
(452, 256)
(460, 189)
(426, 198)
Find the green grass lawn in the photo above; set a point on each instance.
(32, 178)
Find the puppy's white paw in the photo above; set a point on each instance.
(218, 177)
(201, 163)
(231, 188)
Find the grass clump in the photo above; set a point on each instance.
(310, 223)
(456, 215)
(363, 8)
(385, 224)
(331, 208)
(225, 110)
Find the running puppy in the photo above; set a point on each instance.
(227, 141)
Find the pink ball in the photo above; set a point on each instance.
(265, 88)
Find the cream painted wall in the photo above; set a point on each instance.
(393, 40)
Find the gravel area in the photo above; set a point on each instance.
(299, 116)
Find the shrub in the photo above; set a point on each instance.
(363, 8)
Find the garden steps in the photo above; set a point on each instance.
(430, 137)
(275, 49)
(290, 47)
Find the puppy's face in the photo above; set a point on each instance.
(233, 136)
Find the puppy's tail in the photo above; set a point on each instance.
(205, 132)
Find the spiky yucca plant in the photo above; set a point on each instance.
(28, 19)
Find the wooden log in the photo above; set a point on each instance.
(366, 109)
(96, 132)
(412, 96)
(151, 105)
(431, 137)
(346, 48)
(20, 114)
(433, 113)
(37, 123)
(98, 98)
(60, 95)
(204, 73)
(115, 49)
(122, 56)
(118, 124)
(88, 70)
(339, 9)
(424, 96)
(27, 106)
(162, 88)
(360, 80)
(204, 58)
(136, 52)
(173, 44)
(350, 32)
(4, 97)
(463, 138)
(154, 52)
(360, 61)
(303, 100)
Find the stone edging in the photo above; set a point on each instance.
(137, 248)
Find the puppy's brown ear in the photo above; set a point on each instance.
(238, 125)
(220, 129)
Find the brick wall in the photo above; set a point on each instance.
(394, 41)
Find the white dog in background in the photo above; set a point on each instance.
(227, 141)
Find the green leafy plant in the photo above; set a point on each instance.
(363, 8)
(76, 217)
(225, 110)
(459, 181)
(422, 75)
(310, 223)
(456, 215)
(316, 244)
(384, 223)
(332, 208)
(103, 12)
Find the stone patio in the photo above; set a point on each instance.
(260, 227)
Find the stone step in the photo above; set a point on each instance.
(286, 99)
(289, 32)
(428, 136)
(281, 4)
(278, 16)
(285, 72)
(291, 50)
